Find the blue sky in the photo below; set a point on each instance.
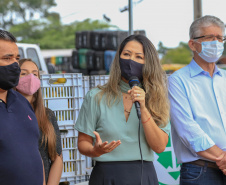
(163, 20)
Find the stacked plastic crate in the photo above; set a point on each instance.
(98, 80)
(86, 84)
(63, 94)
(95, 50)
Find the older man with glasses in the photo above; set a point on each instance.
(197, 95)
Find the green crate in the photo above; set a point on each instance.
(59, 60)
(82, 58)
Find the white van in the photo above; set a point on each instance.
(33, 52)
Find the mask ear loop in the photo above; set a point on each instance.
(199, 43)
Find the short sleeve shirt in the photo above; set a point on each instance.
(19, 133)
(110, 123)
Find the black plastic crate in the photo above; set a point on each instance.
(95, 40)
(103, 40)
(99, 60)
(99, 72)
(111, 40)
(66, 64)
(84, 71)
(121, 35)
(86, 39)
(90, 59)
(72, 70)
(75, 59)
(78, 40)
(140, 32)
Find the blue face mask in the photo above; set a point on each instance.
(131, 68)
(211, 50)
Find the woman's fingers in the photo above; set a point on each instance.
(113, 143)
(224, 171)
(98, 139)
(104, 147)
(116, 144)
(98, 143)
(137, 94)
(111, 146)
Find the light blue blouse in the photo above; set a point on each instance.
(110, 123)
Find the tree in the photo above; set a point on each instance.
(180, 55)
(162, 49)
(51, 33)
(16, 11)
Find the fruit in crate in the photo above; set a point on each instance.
(61, 80)
(62, 92)
(54, 94)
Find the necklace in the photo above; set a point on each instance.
(126, 98)
(127, 111)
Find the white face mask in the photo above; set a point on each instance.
(211, 50)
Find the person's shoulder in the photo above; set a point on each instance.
(223, 72)
(52, 118)
(180, 73)
(21, 100)
(19, 97)
(49, 112)
(16, 93)
(93, 92)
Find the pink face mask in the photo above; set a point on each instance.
(28, 84)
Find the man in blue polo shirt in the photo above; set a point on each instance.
(20, 160)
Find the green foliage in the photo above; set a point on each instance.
(13, 11)
(51, 33)
(27, 30)
(180, 55)
(162, 49)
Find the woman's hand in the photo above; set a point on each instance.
(138, 94)
(101, 148)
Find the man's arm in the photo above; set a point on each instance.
(212, 153)
(189, 131)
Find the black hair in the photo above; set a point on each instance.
(7, 36)
(139, 38)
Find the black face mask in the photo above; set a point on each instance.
(131, 68)
(9, 76)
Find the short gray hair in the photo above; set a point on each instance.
(7, 36)
(202, 22)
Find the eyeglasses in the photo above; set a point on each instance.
(212, 37)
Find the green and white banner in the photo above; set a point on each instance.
(167, 169)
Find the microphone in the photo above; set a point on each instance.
(134, 81)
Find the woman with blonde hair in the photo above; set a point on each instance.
(109, 129)
(49, 142)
